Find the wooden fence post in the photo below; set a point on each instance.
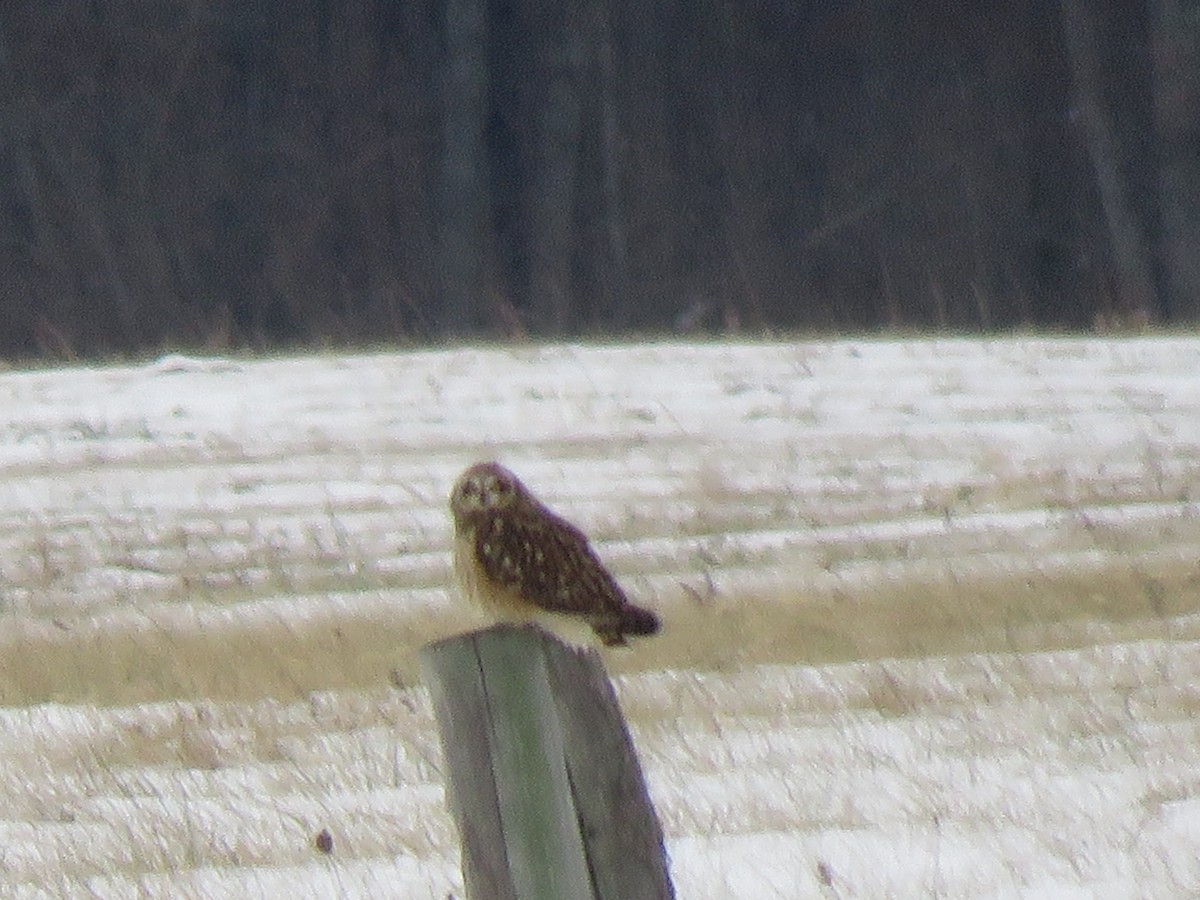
(541, 777)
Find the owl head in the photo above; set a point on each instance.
(484, 488)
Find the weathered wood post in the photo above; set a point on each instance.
(541, 777)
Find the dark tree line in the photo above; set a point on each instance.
(269, 172)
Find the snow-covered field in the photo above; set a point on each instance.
(932, 611)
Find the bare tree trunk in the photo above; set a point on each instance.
(1130, 248)
(75, 169)
(552, 210)
(1177, 113)
(45, 248)
(740, 206)
(613, 155)
(464, 208)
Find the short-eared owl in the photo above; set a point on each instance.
(516, 558)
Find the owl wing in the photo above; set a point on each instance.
(548, 562)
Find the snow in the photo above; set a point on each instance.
(932, 612)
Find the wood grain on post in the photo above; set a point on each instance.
(541, 776)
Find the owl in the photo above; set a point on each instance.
(517, 559)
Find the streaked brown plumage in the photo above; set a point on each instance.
(516, 558)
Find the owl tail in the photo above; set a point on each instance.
(629, 619)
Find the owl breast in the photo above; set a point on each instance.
(497, 599)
